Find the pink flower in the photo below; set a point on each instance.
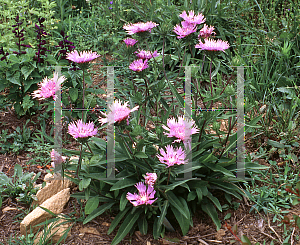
(177, 129)
(83, 57)
(139, 65)
(213, 45)
(130, 41)
(144, 196)
(48, 86)
(139, 27)
(80, 129)
(150, 178)
(56, 158)
(142, 54)
(118, 113)
(171, 156)
(192, 18)
(185, 30)
(206, 31)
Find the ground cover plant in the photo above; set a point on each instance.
(175, 141)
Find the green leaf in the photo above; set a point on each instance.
(18, 171)
(126, 226)
(177, 95)
(116, 220)
(191, 196)
(140, 155)
(26, 71)
(184, 223)
(215, 201)
(218, 168)
(91, 205)
(73, 92)
(13, 59)
(98, 212)
(13, 77)
(156, 229)
(275, 144)
(245, 240)
(143, 225)
(175, 202)
(84, 183)
(227, 216)
(295, 202)
(177, 183)
(123, 184)
(163, 213)
(123, 201)
(211, 211)
(199, 194)
(4, 180)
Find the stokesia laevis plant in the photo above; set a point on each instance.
(145, 196)
(118, 113)
(82, 132)
(82, 59)
(130, 41)
(150, 178)
(48, 87)
(143, 189)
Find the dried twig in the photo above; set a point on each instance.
(271, 228)
(292, 240)
(200, 240)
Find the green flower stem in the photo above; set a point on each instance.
(79, 163)
(89, 147)
(125, 142)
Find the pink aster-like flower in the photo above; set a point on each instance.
(56, 158)
(130, 41)
(206, 31)
(48, 86)
(172, 156)
(192, 18)
(150, 178)
(145, 195)
(139, 27)
(139, 65)
(83, 57)
(185, 30)
(142, 54)
(80, 129)
(118, 113)
(213, 45)
(177, 129)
